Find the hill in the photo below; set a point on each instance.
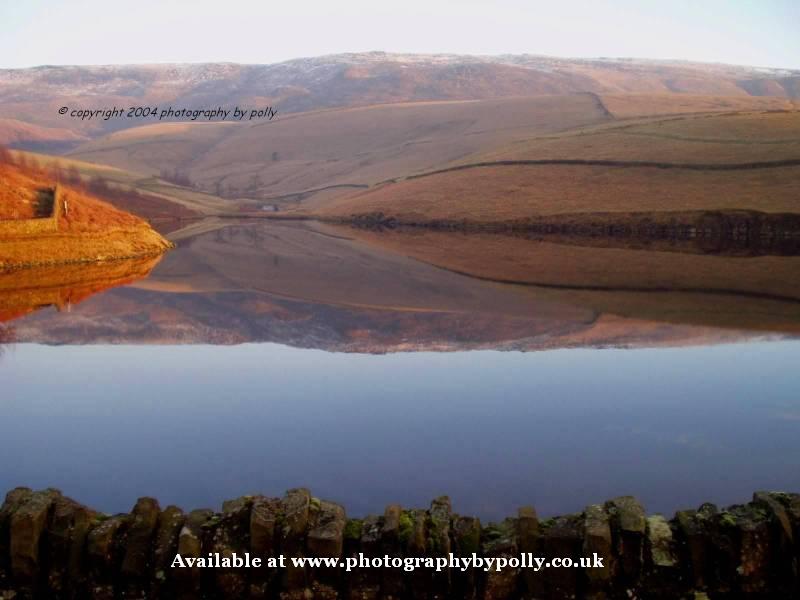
(338, 150)
(42, 223)
(52, 139)
(145, 196)
(34, 95)
(310, 158)
(687, 163)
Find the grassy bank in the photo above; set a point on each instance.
(84, 228)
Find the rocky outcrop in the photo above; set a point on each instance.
(53, 547)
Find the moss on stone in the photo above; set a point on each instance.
(470, 541)
(546, 523)
(437, 532)
(212, 522)
(353, 528)
(406, 526)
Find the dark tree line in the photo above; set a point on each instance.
(22, 161)
(177, 177)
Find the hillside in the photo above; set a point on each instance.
(34, 95)
(433, 137)
(692, 163)
(14, 132)
(38, 227)
(145, 196)
(310, 158)
(343, 147)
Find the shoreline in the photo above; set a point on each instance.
(64, 248)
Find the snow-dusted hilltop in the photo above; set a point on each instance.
(34, 95)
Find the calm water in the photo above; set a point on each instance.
(255, 359)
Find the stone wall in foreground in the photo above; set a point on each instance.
(53, 547)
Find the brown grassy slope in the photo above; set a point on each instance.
(319, 153)
(516, 192)
(344, 146)
(18, 194)
(150, 148)
(625, 106)
(19, 186)
(737, 138)
(162, 198)
(495, 193)
(91, 230)
(14, 131)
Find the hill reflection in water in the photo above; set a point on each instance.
(343, 289)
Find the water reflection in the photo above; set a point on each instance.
(341, 289)
(7, 337)
(61, 286)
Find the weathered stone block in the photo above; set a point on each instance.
(500, 540)
(139, 540)
(694, 529)
(103, 550)
(27, 524)
(13, 500)
(563, 539)
(391, 526)
(264, 515)
(231, 536)
(327, 536)
(165, 547)
(295, 508)
(597, 539)
(66, 538)
(363, 536)
(627, 531)
(466, 534)
(263, 522)
(188, 580)
(439, 543)
(664, 573)
(755, 553)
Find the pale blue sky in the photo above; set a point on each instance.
(751, 32)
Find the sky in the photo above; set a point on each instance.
(762, 33)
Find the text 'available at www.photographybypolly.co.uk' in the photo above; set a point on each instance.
(440, 563)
